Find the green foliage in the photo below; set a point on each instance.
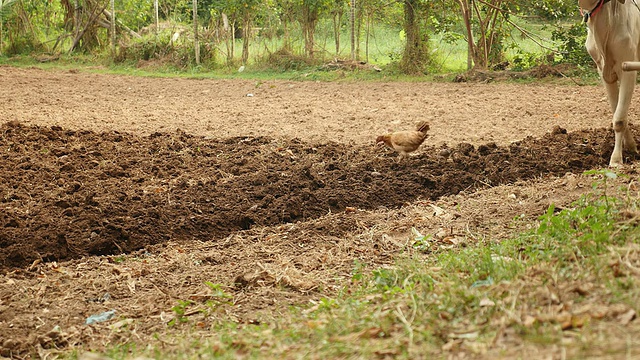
(552, 9)
(523, 60)
(180, 311)
(135, 13)
(161, 50)
(23, 44)
(421, 242)
(182, 10)
(304, 31)
(233, 8)
(587, 226)
(5, 8)
(571, 45)
(23, 38)
(217, 291)
(585, 230)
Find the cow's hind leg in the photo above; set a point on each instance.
(620, 99)
(629, 142)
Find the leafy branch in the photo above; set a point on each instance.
(5, 8)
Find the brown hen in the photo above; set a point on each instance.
(405, 142)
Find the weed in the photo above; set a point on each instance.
(180, 311)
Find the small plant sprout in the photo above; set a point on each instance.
(181, 312)
(421, 242)
(217, 290)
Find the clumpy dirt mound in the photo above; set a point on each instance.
(67, 194)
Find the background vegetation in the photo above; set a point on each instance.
(407, 36)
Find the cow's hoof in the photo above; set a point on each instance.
(616, 161)
(616, 164)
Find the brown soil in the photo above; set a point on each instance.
(80, 193)
(143, 188)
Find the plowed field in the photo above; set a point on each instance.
(129, 193)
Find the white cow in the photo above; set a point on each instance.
(613, 38)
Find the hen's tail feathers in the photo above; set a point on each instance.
(423, 127)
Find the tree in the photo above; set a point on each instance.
(22, 30)
(375, 12)
(227, 10)
(466, 17)
(486, 20)
(89, 21)
(286, 12)
(236, 12)
(352, 27)
(308, 15)
(336, 9)
(416, 56)
(248, 11)
(490, 18)
(487, 25)
(196, 43)
(5, 10)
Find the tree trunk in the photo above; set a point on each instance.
(228, 30)
(466, 16)
(352, 16)
(76, 18)
(93, 17)
(121, 25)
(232, 43)
(359, 17)
(482, 53)
(155, 14)
(369, 21)
(486, 49)
(196, 43)
(337, 20)
(113, 28)
(309, 20)
(415, 55)
(246, 34)
(286, 37)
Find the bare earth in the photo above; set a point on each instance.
(346, 112)
(130, 193)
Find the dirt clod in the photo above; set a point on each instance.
(133, 191)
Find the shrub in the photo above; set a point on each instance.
(571, 42)
(163, 49)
